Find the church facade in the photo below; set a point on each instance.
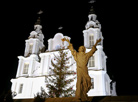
(35, 64)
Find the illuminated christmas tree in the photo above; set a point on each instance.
(61, 77)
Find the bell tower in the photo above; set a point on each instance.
(97, 63)
(29, 73)
(93, 30)
(34, 43)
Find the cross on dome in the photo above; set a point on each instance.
(38, 22)
(92, 1)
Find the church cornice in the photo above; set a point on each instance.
(27, 76)
(56, 50)
(50, 52)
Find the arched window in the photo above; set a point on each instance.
(91, 62)
(20, 88)
(30, 47)
(26, 67)
(91, 40)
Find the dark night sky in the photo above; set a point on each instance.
(116, 18)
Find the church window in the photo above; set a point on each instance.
(20, 88)
(91, 40)
(26, 66)
(91, 62)
(92, 81)
(31, 48)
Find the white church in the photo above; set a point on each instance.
(35, 64)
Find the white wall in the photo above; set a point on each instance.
(100, 59)
(56, 42)
(33, 65)
(101, 84)
(46, 58)
(97, 35)
(37, 45)
(30, 86)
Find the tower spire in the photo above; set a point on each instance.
(37, 25)
(35, 40)
(38, 22)
(92, 10)
(91, 2)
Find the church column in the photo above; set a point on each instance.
(45, 64)
(47, 67)
(96, 37)
(34, 47)
(103, 82)
(99, 49)
(50, 43)
(85, 34)
(105, 57)
(42, 63)
(14, 83)
(19, 66)
(29, 88)
(27, 48)
(32, 65)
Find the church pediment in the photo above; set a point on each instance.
(56, 43)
